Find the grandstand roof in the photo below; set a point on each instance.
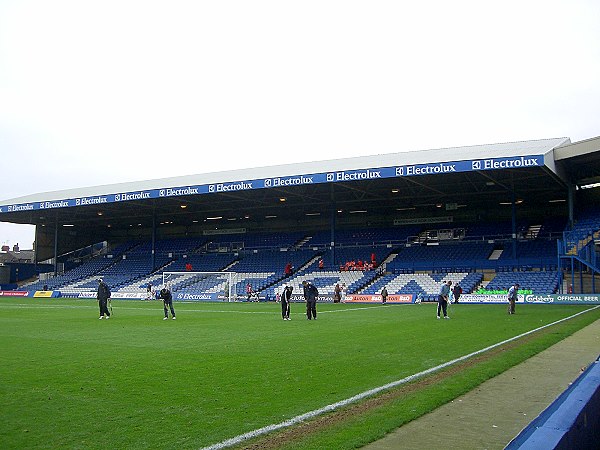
(428, 183)
(443, 155)
(580, 161)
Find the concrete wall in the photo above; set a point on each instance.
(571, 421)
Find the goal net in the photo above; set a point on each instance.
(200, 285)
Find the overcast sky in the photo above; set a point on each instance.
(96, 92)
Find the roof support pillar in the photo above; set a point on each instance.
(514, 226)
(153, 238)
(56, 245)
(570, 204)
(332, 241)
(332, 225)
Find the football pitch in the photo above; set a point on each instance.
(223, 370)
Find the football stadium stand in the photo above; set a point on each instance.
(404, 268)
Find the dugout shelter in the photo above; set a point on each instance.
(539, 179)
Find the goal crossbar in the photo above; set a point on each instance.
(177, 280)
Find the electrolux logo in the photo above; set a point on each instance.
(127, 196)
(505, 163)
(52, 205)
(509, 163)
(228, 187)
(181, 296)
(171, 192)
(27, 207)
(354, 175)
(90, 201)
(290, 181)
(429, 169)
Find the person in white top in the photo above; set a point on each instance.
(513, 294)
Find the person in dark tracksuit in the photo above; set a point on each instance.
(167, 298)
(103, 295)
(384, 295)
(310, 295)
(457, 291)
(286, 297)
(337, 293)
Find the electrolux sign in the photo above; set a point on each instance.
(469, 166)
(295, 180)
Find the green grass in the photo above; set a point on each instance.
(222, 369)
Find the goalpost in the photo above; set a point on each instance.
(221, 283)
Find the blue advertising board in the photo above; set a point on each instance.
(570, 299)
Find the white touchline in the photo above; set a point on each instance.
(159, 306)
(30, 306)
(353, 309)
(332, 407)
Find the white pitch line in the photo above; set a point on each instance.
(159, 306)
(29, 306)
(354, 309)
(332, 407)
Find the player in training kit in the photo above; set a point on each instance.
(310, 295)
(103, 295)
(286, 297)
(443, 299)
(513, 295)
(167, 298)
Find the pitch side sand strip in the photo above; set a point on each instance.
(491, 415)
(332, 407)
